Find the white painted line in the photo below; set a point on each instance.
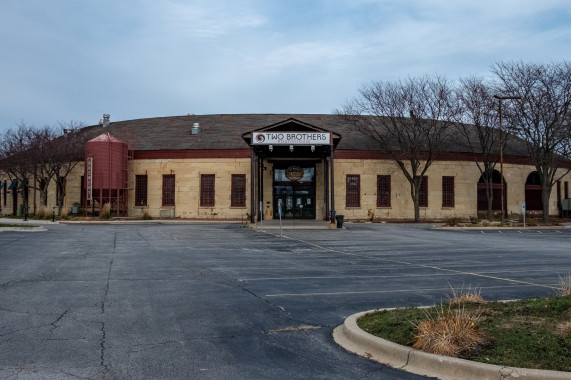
(295, 278)
(384, 291)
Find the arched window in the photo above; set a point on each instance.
(533, 192)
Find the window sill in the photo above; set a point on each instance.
(384, 207)
(239, 207)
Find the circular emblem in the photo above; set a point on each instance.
(260, 138)
(294, 173)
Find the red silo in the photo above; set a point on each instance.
(106, 172)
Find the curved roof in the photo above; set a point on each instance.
(224, 131)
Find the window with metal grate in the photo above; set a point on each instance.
(423, 193)
(168, 189)
(353, 191)
(447, 191)
(207, 190)
(383, 191)
(141, 190)
(238, 191)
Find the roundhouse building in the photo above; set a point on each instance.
(237, 167)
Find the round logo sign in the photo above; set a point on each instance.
(260, 138)
(294, 173)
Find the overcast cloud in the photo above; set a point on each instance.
(75, 60)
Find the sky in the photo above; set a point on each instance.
(74, 60)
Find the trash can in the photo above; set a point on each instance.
(339, 220)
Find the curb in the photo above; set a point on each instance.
(352, 338)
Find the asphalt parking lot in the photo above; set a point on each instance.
(213, 301)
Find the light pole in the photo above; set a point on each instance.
(500, 98)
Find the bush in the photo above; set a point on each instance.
(105, 212)
(451, 332)
(474, 220)
(531, 222)
(147, 216)
(452, 222)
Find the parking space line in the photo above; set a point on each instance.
(383, 291)
(426, 266)
(290, 278)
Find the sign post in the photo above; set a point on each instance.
(261, 216)
(280, 214)
(523, 211)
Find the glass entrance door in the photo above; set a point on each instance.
(296, 192)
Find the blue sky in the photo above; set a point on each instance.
(68, 60)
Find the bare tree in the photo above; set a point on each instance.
(14, 157)
(541, 117)
(478, 122)
(67, 153)
(36, 156)
(408, 120)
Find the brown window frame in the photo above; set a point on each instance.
(447, 191)
(423, 192)
(353, 191)
(169, 189)
(141, 192)
(238, 191)
(383, 190)
(207, 190)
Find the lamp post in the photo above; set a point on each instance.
(500, 98)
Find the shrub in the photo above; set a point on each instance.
(452, 222)
(147, 216)
(105, 212)
(531, 222)
(474, 220)
(451, 332)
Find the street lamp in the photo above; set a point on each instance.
(500, 98)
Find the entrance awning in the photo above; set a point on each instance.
(292, 139)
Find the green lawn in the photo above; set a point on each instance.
(533, 333)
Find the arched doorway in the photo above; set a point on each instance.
(496, 193)
(533, 200)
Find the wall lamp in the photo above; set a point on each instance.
(271, 147)
(313, 148)
(291, 148)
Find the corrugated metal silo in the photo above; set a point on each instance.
(105, 178)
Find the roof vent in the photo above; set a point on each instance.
(106, 120)
(195, 128)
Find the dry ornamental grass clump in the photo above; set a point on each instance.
(565, 284)
(462, 296)
(451, 333)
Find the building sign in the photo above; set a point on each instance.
(89, 178)
(291, 138)
(294, 173)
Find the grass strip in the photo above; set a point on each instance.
(534, 333)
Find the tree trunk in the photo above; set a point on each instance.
(545, 195)
(490, 198)
(415, 193)
(60, 193)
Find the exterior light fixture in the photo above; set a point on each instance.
(271, 147)
(291, 148)
(313, 148)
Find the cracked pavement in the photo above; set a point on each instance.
(213, 301)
